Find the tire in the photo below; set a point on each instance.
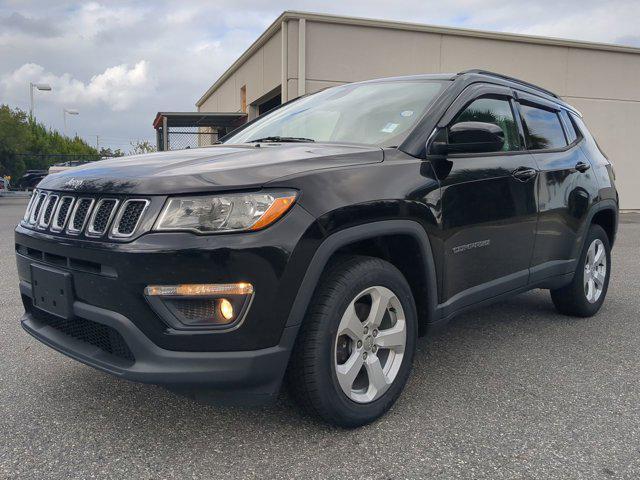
(584, 296)
(334, 340)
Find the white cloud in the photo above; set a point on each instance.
(117, 88)
(121, 62)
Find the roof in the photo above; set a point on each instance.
(519, 85)
(487, 73)
(416, 27)
(200, 119)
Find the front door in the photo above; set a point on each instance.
(489, 210)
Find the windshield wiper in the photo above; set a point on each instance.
(282, 139)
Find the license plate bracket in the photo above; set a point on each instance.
(52, 290)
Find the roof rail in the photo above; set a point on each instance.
(511, 79)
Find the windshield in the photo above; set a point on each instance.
(377, 113)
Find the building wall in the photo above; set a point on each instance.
(261, 73)
(604, 85)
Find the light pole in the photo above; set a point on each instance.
(40, 86)
(65, 112)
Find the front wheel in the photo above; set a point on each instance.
(354, 352)
(584, 296)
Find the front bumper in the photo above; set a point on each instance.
(114, 329)
(113, 277)
(254, 375)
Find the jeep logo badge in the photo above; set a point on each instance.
(73, 183)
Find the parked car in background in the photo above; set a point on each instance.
(31, 179)
(321, 240)
(61, 167)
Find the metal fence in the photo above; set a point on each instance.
(190, 137)
(45, 160)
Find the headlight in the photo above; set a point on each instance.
(234, 212)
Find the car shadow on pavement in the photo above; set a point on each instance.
(483, 335)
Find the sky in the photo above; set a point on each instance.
(119, 62)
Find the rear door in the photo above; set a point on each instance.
(564, 185)
(488, 205)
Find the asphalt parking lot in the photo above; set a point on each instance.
(509, 391)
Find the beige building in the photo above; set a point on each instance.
(304, 52)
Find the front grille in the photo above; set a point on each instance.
(130, 215)
(29, 207)
(80, 214)
(102, 216)
(51, 202)
(100, 336)
(36, 208)
(62, 213)
(90, 216)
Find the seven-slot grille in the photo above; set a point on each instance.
(79, 215)
(84, 215)
(101, 216)
(36, 207)
(47, 210)
(62, 214)
(128, 218)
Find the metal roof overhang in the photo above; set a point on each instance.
(200, 119)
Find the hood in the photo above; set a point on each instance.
(216, 168)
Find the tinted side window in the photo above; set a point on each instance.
(496, 111)
(544, 129)
(570, 128)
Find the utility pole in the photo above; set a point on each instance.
(98, 143)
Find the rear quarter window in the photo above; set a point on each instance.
(543, 127)
(569, 127)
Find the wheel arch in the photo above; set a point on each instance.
(607, 217)
(604, 210)
(364, 239)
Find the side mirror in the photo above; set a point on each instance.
(470, 137)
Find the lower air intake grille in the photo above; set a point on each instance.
(101, 336)
(195, 309)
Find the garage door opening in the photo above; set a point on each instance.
(270, 104)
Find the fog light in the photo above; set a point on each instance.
(207, 305)
(226, 309)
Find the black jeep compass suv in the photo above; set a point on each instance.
(319, 241)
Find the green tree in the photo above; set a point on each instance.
(13, 138)
(28, 145)
(107, 152)
(142, 146)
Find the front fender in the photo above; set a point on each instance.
(354, 234)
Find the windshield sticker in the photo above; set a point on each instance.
(407, 113)
(389, 127)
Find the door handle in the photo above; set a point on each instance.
(524, 174)
(582, 166)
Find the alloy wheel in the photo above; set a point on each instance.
(370, 344)
(595, 271)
